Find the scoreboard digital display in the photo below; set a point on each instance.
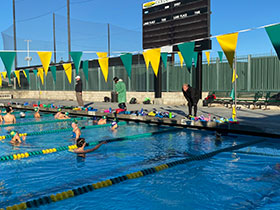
(169, 22)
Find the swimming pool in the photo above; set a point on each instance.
(221, 182)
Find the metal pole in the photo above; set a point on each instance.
(109, 41)
(54, 41)
(28, 58)
(235, 84)
(15, 36)
(69, 32)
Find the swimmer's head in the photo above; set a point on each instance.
(36, 109)
(80, 142)
(113, 124)
(67, 113)
(75, 121)
(104, 117)
(22, 115)
(59, 109)
(8, 109)
(13, 133)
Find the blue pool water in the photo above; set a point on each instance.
(226, 181)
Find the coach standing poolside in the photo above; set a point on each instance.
(79, 90)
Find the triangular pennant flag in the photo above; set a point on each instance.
(181, 59)
(17, 76)
(221, 55)
(68, 71)
(146, 59)
(35, 72)
(233, 112)
(8, 59)
(232, 94)
(0, 81)
(234, 76)
(45, 58)
(127, 62)
(208, 57)
(4, 73)
(273, 33)
(228, 43)
(195, 58)
(187, 50)
(85, 69)
(154, 58)
(26, 73)
(53, 70)
(76, 57)
(164, 58)
(104, 64)
(41, 74)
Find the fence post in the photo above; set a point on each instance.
(63, 81)
(147, 80)
(114, 74)
(167, 77)
(99, 79)
(218, 72)
(249, 73)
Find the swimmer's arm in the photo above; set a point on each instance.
(95, 148)
(14, 119)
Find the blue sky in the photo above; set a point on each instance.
(227, 16)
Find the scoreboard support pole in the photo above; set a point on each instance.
(158, 82)
(197, 74)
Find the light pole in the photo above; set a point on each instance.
(28, 58)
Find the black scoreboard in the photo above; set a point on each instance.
(169, 22)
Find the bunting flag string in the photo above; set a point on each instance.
(53, 70)
(85, 69)
(35, 71)
(181, 59)
(154, 58)
(127, 62)
(4, 74)
(273, 34)
(221, 55)
(8, 59)
(0, 80)
(164, 56)
(26, 73)
(17, 73)
(234, 76)
(146, 59)
(195, 54)
(228, 43)
(76, 57)
(208, 57)
(41, 74)
(68, 71)
(45, 58)
(103, 61)
(187, 50)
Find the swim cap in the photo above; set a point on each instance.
(104, 117)
(80, 142)
(114, 123)
(36, 109)
(13, 133)
(67, 113)
(59, 109)
(8, 109)
(75, 121)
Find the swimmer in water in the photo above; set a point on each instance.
(56, 116)
(16, 140)
(102, 121)
(22, 115)
(114, 124)
(9, 118)
(81, 143)
(269, 174)
(76, 130)
(36, 114)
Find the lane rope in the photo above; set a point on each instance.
(116, 180)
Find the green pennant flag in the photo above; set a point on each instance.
(85, 69)
(164, 58)
(221, 55)
(76, 57)
(27, 75)
(35, 71)
(232, 94)
(127, 62)
(195, 59)
(8, 59)
(53, 70)
(274, 35)
(187, 50)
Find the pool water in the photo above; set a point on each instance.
(230, 180)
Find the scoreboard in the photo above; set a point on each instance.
(169, 22)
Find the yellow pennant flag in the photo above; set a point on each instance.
(234, 76)
(154, 58)
(45, 58)
(181, 59)
(146, 58)
(18, 77)
(68, 71)
(208, 57)
(233, 112)
(103, 61)
(24, 73)
(0, 80)
(228, 43)
(4, 73)
(41, 74)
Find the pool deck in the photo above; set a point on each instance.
(262, 121)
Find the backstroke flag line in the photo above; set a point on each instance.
(103, 61)
(154, 58)
(147, 62)
(234, 76)
(181, 59)
(45, 58)
(164, 56)
(127, 62)
(76, 57)
(4, 74)
(53, 70)
(68, 71)
(18, 77)
(187, 50)
(228, 43)
(8, 59)
(273, 34)
(208, 57)
(41, 74)
(221, 55)
(85, 69)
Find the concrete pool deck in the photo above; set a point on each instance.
(266, 121)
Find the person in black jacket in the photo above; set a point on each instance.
(79, 90)
(192, 95)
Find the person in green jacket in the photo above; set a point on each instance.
(121, 90)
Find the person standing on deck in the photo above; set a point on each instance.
(192, 95)
(121, 90)
(79, 90)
